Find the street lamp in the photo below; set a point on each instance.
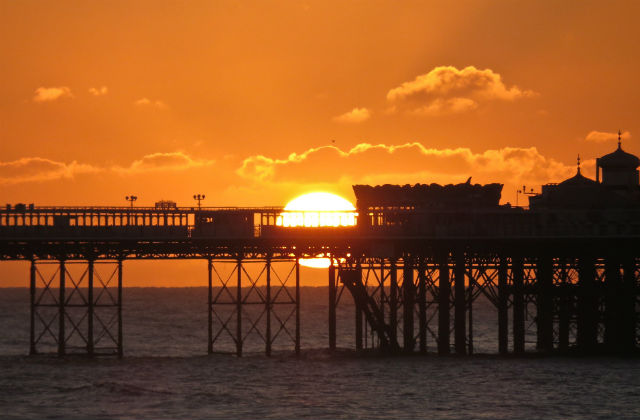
(524, 192)
(131, 199)
(198, 198)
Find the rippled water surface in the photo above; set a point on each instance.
(166, 374)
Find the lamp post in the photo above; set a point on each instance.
(524, 192)
(198, 198)
(131, 199)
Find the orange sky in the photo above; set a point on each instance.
(252, 103)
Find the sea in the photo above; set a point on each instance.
(166, 372)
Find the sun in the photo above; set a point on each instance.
(317, 209)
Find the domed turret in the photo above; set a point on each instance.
(619, 169)
(578, 180)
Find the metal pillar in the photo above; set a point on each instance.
(628, 306)
(393, 304)
(613, 308)
(587, 305)
(460, 305)
(120, 344)
(564, 299)
(61, 310)
(297, 307)
(517, 270)
(239, 309)
(358, 324)
(503, 315)
(32, 298)
(209, 306)
(332, 306)
(544, 274)
(422, 307)
(268, 306)
(408, 293)
(444, 290)
(90, 308)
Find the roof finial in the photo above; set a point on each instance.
(578, 163)
(619, 138)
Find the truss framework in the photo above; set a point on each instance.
(76, 307)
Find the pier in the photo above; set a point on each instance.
(569, 277)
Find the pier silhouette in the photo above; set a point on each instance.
(415, 261)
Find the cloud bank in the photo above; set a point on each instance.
(447, 90)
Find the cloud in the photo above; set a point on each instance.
(407, 163)
(34, 169)
(162, 162)
(98, 91)
(446, 89)
(148, 102)
(603, 136)
(48, 94)
(356, 115)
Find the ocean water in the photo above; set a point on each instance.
(166, 372)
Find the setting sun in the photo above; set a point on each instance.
(318, 209)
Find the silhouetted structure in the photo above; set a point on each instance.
(567, 266)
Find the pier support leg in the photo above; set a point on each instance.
(460, 305)
(90, 308)
(422, 306)
(210, 306)
(409, 293)
(32, 298)
(62, 338)
(358, 324)
(332, 306)
(503, 315)
(444, 290)
(297, 306)
(120, 343)
(239, 309)
(588, 305)
(393, 305)
(544, 274)
(268, 308)
(517, 271)
(628, 306)
(564, 298)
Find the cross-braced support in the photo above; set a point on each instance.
(81, 315)
(252, 304)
